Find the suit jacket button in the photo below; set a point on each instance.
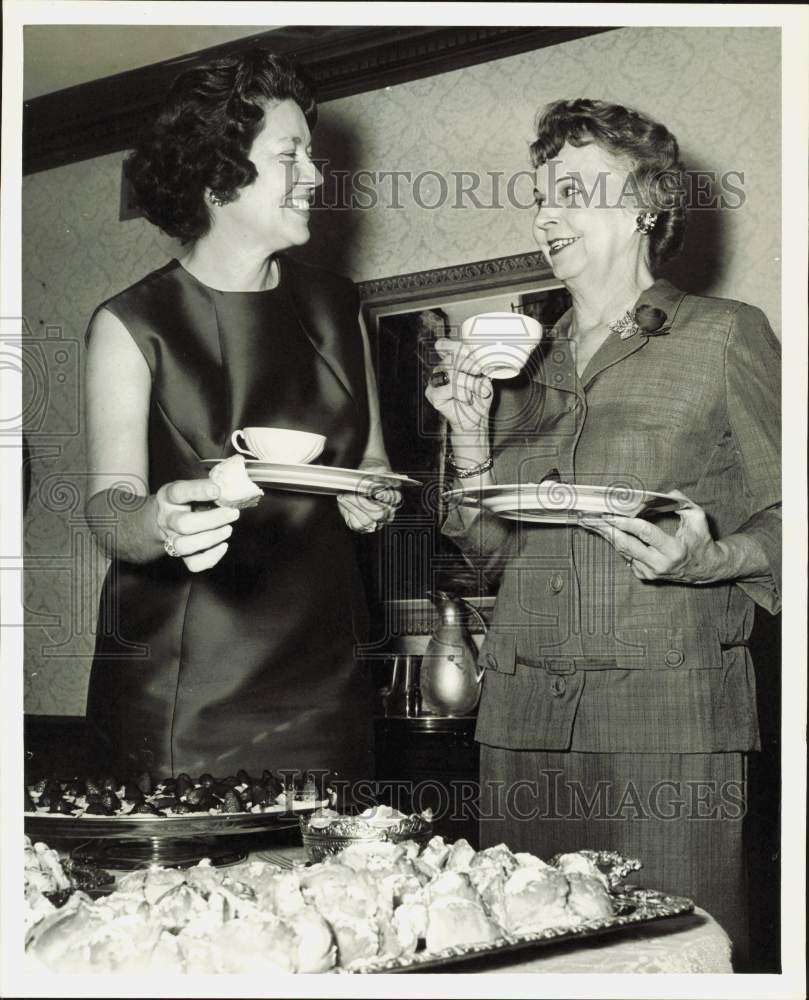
(558, 687)
(557, 583)
(674, 657)
(491, 661)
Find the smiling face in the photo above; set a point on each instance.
(584, 227)
(273, 211)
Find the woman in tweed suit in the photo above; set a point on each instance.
(619, 698)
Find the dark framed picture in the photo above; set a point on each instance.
(404, 315)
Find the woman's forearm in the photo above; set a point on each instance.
(132, 527)
(470, 449)
(743, 559)
(125, 526)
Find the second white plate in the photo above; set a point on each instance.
(552, 502)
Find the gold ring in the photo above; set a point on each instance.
(439, 377)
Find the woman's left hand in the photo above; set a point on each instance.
(370, 513)
(691, 555)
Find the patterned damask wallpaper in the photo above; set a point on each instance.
(718, 90)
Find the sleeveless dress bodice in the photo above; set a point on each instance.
(249, 664)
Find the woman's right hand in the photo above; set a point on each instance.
(199, 537)
(466, 395)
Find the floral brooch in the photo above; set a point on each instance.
(648, 320)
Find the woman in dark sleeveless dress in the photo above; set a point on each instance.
(226, 638)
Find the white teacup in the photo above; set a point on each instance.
(278, 444)
(501, 342)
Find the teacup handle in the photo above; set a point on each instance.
(234, 440)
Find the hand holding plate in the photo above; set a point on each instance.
(372, 510)
(689, 556)
(363, 513)
(198, 537)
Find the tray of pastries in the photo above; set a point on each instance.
(377, 906)
(173, 821)
(110, 808)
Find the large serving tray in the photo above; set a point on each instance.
(635, 909)
(54, 825)
(124, 842)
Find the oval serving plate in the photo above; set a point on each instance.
(536, 501)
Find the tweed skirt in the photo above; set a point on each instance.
(681, 815)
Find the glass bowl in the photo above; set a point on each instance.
(322, 841)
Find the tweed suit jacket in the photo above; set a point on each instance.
(581, 654)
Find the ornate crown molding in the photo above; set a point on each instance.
(105, 116)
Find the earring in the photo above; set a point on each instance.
(215, 200)
(645, 223)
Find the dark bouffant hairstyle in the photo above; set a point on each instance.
(201, 138)
(649, 148)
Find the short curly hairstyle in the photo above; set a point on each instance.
(650, 150)
(203, 134)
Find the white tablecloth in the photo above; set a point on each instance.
(683, 944)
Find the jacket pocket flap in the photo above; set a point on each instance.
(498, 652)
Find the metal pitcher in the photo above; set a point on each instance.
(450, 678)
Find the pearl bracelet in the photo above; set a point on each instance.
(475, 470)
